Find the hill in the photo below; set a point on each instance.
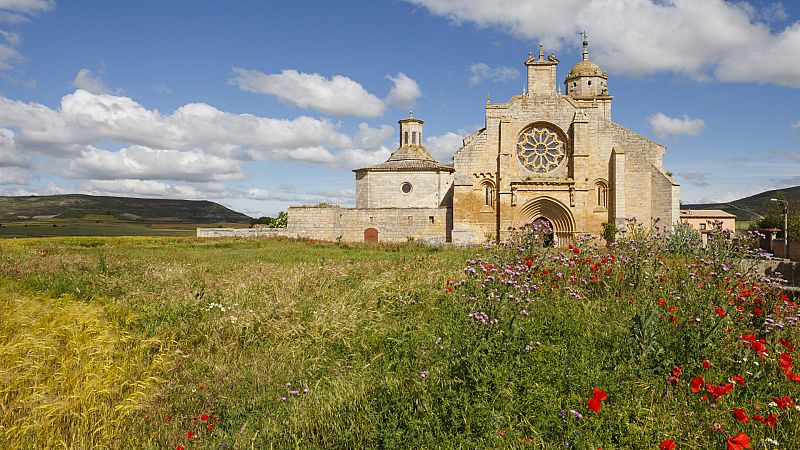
(75, 206)
(750, 208)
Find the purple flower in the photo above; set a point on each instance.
(424, 374)
(576, 414)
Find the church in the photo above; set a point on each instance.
(547, 155)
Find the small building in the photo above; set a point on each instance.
(705, 220)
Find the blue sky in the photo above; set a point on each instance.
(261, 105)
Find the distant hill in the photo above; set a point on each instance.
(76, 206)
(750, 208)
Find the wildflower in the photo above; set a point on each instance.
(204, 417)
(720, 312)
(190, 434)
(676, 371)
(577, 414)
(786, 362)
(772, 419)
(783, 402)
(661, 302)
(210, 426)
(771, 441)
(500, 432)
(668, 444)
(707, 364)
(697, 384)
(738, 379)
(201, 387)
(738, 442)
(740, 415)
(786, 344)
(424, 374)
(598, 396)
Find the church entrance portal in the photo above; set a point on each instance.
(543, 232)
(370, 235)
(547, 211)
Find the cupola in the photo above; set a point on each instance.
(586, 79)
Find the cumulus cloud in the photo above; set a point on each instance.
(480, 72)
(444, 146)
(372, 138)
(13, 176)
(342, 196)
(89, 81)
(405, 91)
(10, 155)
(664, 125)
(154, 164)
(728, 40)
(339, 95)
(153, 188)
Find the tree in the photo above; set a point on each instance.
(272, 222)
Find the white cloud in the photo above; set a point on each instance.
(444, 146)
(793, 155)
(336, 96)
(342, 196)
(13, 176)
(664, 125)
(728, 40)
(405, 91)
(796, 126)
(21, 11)
(91, 82)
(10, 155)
(373, 138)
(86, 119)
(480, 71)
(152, 164)
(152, 188)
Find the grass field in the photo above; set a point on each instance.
(158, 342)
(98, 225)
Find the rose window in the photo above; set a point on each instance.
(541, 148)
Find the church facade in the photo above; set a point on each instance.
(545, 155)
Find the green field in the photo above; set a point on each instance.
(98, 225)
(159, 342)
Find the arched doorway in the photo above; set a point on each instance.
(543, 232)
(370, 235)
(554, 213)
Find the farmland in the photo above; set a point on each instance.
(160, 342)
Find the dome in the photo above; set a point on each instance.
(586, 69)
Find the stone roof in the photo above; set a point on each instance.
(410, 158)
(705, 213)
(586, 69)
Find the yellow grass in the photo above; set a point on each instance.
(69, 376)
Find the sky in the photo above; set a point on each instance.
(259, 105)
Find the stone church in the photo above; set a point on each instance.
(546, 156)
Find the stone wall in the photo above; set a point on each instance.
(383, 189)
(331, 223)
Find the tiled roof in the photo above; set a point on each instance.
(409, 158)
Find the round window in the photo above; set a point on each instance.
(406, 188)
(541, 148)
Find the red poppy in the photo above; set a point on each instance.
(203, 416)
(783, 402)
(576, 250)
(594, 404)
(179, 447)
(740, 415)
(772, 419)
(673, 319)
(738, 442)
(721, 312)
(661, 302)
(786, 344)
(757, 311)
(706, 364)
(697, 384)
(210, 426)
(676, 371)
(668, 444)
(759, 418)
(599, 394)
(190, 434)
(500, 432)
(739, 379)
(786, 362)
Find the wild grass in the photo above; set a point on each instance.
(287, 344)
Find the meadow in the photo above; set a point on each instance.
(158, 342)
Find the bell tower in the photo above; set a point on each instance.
(541, 74)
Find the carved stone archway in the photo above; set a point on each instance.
(554, 212)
